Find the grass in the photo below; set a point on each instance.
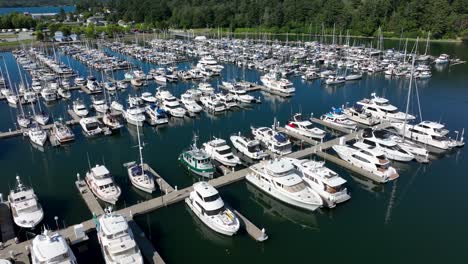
(10, 44)
(7, 35)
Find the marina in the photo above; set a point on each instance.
(278, 99)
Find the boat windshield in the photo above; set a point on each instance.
(215, 211)
(283, 147)
(211, 198)
(254, 148)
(295, 188)
(309, 126)
(224, 151)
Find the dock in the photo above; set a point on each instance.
(164, 186)
(146, 247)
(256, 233)
(7, 229)
(89, 198)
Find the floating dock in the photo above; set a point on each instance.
(256, 233)
(89, 198)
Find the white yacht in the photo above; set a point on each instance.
(304, 127)
(139, 175)
(249, 147)
(92, 85)
(391, 149)
(134, 113)
(148, 97)
(280, 179)
(442, 59)
(156, 115)
(189, 103)
(227, 100)
(117, 106)
(37, 135)
(102, 184)
(207, 205)
(275, 83)
(240, 94)
(80, 108)
(274, 141)
(327, 183)
(380, 107)
(91, 126)
(219, 150)
(372, 161)
(25, 208)
(206, 88)
(359, 115)
(100, 105)
(172, 106)
(212, 104)
(338, 118)
(428, 133)
(49, 94)
(118, 245)
(62, 132)
(51, 248)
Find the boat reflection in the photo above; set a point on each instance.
(278, 209)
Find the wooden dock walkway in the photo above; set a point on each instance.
(164, 186)
(255, 232)
(89, 198)
(146, 248)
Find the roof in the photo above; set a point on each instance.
(279, 166)
(112, 224)
(205, 189)
(432, 124)
(100, 170)
(47, 247)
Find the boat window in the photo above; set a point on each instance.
(439, 138)
(211, 198)
(224, 151)
(201, 198)
(360, 158)
(215, 211)
(368, 142)
(253, 149)
(381, 157)
(283, 147)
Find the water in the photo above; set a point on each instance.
(37, 9)
(419, 218)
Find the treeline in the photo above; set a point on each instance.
(16, 20)
(443, 18)
(23, 3)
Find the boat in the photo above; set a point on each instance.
(64, 93)
(134, 113)
(172, 106)
(378, 139)
(25, 208)
(110, 86)
(442, 59)
(227, 100)
(49, 94)
(100, 105)
(206, 203)
(327, 183)
(156, 115)
(274, 83)
(62, 132)
(274, 141)
(353, 76)
(37, 135)
(138, 173)
(116, 106)
(338, 118)
(304, 127)
(116, 238)
(212, 104)
(281, 180)
(359, 115)
(148, 97)
(249, 147)
(220, 151)
(206, 88)
(380, 107)
(429, 133)
(197, 161)
(80, 108)
(374, 162)
(136, 82)
(51, 248)
(111, 121)
(188, 100)
(91, 126)
(80, 81)
(333, 79)
(240, 95)
(92, 85)
(101, 183)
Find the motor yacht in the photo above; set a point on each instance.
(304, 127)
(227, 100)
(37, 135)
(374, 161)
(90, 126)
(156, 115)
(100, 105)
(189, 103)
(25, 208)
(280, 179)
(206, 88)
(148, 97)
(51, 248)
(327, 183)
(380, 107)
(274, 141)
(338, 118)
(102, 184)
(212, 104)
(111, 121)
(391, 149)
(172, 106)
(62, 132)
(219, 150)
(207, 205)
(249, 147)
(116, 238)
(80, 108)
(359, 115)
(273, 82)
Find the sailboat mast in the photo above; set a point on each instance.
(140, 148)
(409, 91)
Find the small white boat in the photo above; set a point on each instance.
(249, 147)
(304, 127)
(219, 150)
(102, 184)
(207, 205)
(138, 173)
(148, 97)
(100, 105)
(156, 115)
(338, 118)
(25, 208)
(37, 135)
(80, 108)
(274, 141)
(206, 88)
(91, 126)
(116, 106)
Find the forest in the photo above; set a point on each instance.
(443, 18)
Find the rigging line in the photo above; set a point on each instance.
(419, 102)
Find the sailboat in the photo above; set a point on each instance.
(42, 117)
(139, 174)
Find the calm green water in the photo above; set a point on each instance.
(420, 218)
